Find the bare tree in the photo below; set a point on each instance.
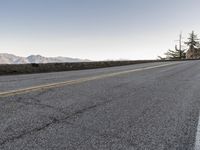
(178, 53)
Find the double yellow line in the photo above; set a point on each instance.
(77, 81)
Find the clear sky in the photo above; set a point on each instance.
(95, 29)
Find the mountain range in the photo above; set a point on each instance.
(13, 59)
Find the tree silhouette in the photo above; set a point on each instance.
(193, 41)
(178, 53)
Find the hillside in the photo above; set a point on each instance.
(12, 59)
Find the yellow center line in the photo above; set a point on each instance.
(77, 81)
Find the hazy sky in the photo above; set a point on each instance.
(95, 29)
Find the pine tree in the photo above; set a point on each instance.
(175, 54)
(193, 41)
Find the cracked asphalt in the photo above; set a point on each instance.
(154, 109)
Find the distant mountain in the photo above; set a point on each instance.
(12, 59)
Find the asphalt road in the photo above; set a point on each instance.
(129, 108)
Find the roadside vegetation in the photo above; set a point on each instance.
(180, 52)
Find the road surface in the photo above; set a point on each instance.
(153, 106)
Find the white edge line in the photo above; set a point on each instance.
(197, 139)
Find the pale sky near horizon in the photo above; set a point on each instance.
(95, 29)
